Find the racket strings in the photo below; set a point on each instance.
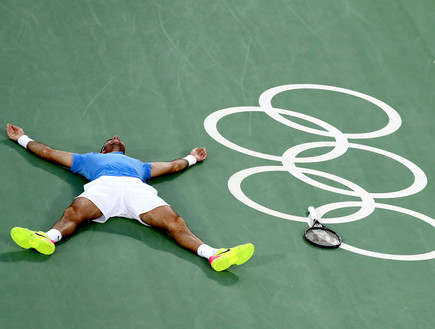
(322, 237)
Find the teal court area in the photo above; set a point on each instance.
(299, 103)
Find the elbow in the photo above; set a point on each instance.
(177, 166)
(46, 153)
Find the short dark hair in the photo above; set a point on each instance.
(104, 145)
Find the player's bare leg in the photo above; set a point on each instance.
(80, 210)
(220, 259)
(166, 218)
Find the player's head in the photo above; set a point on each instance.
(113, 145)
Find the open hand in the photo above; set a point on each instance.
(199, 153)
(14, 132)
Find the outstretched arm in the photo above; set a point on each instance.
(164, 168)
(43, 151)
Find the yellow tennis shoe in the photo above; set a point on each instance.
(30, 239)
(224, 258)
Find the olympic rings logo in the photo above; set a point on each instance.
(290, 158)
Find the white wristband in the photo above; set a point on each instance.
(191, 159)
(24, 140)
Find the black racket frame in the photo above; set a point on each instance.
(318, 225)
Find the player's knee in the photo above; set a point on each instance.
(176, 223)
(72, 214)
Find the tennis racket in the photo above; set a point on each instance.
(318, 234)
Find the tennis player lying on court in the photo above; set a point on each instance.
(118, 188)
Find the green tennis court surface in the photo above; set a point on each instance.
(299, 103)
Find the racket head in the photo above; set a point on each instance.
(321, 236)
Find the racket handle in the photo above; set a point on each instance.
(313, 214)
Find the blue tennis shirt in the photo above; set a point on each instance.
(95, 165)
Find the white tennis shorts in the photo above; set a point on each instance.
(126, 197)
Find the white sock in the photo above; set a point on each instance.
(54, 235)
(206, 251)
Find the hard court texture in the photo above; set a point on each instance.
(299, 103)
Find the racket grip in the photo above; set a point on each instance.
(313, 213)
